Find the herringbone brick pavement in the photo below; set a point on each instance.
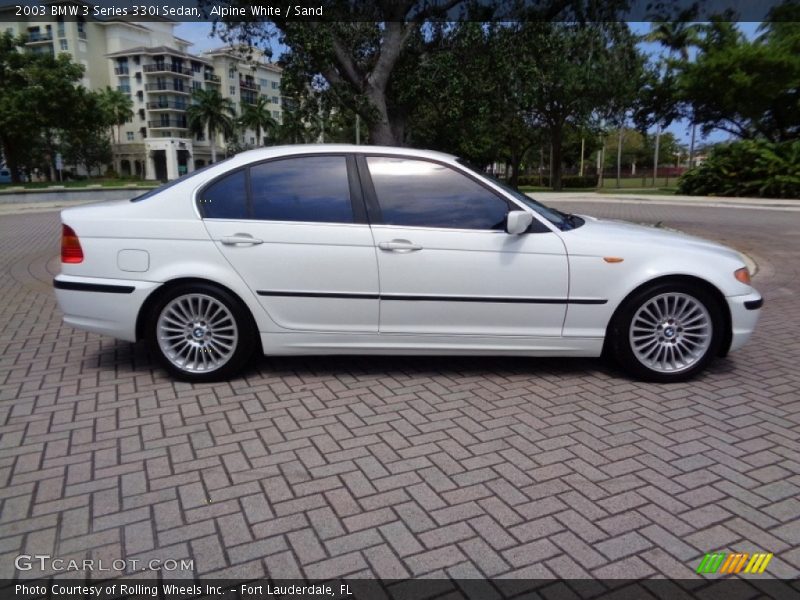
(400, 467)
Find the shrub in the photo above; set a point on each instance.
(753, 168)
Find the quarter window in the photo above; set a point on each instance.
(419, 193)
(226, 198)
(312, 188)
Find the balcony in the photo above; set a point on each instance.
(121, 71)
(37, 37)
(249, 85)
(167, 68)
(167, 87)
(166, 105)
(169, 124)
(212, 78)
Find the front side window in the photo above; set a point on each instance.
(420, 193)
(307, 188)
(226, 198)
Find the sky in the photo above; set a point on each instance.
(200, 36)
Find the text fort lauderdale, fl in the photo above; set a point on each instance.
(260, 10)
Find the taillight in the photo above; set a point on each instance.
(71, 251)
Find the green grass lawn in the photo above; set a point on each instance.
(40, 185)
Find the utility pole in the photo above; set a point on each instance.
(358, 129)
(691, 146)
(583, 146)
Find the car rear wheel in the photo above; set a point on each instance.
(201, 332)
(669, 332)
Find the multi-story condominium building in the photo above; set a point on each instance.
(153, 66)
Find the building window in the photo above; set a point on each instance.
(60, 27)
(197, 85)
(262, 83)
(129, 135)
(64, 45)
(233, 90)
(276, 113)
(276, 100)
(231, 73)
(196, 67)
(274, 85)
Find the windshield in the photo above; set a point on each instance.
(180, 179)
(561, 220)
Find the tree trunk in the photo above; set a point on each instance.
(619, 158)
(691, 147)
(515, 161)
(213, 141)
(655, 155)
(583, 147)
(11, 163)
(381, 130)
(556, 135)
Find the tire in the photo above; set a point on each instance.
(668, 332)
(200, 332)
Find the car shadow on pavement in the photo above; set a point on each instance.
(127, 358)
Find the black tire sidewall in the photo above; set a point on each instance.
(244, 324)
(621, 347)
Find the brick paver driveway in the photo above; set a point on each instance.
(397, 467)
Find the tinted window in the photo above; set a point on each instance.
(311, 188)
(427, 194)
(226, 198)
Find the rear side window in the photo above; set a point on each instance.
(226, 198)
(308, 188)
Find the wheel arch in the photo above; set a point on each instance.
(163, 289)
(727, 334)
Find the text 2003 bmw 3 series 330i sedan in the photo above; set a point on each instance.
(367, 250)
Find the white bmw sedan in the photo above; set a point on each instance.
(343, 249)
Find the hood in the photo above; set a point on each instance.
(602, 236)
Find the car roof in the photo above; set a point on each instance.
(288, 150)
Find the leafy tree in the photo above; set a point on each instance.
(576, 74)
(258, 117)
(211, 113)
(38, 96)
(746, 88)
(362, 53)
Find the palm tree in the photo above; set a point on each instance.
(117, 106)
(677, 37)
(258, 117)
(211, 113)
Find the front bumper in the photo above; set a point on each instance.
(105, 306)
(745, 311)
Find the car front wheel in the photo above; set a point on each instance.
(200, 333)
(668, 332)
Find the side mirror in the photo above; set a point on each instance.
(518, 221)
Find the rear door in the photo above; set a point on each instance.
(295, 229)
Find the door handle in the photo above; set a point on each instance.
(240, 238)
(399, 246)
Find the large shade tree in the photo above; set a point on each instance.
(363, 51)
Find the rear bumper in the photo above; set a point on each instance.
(745, 311)
(104, 306)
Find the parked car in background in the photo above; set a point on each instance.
(344, 249)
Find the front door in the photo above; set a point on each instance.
(446, 264)
(299, 240)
